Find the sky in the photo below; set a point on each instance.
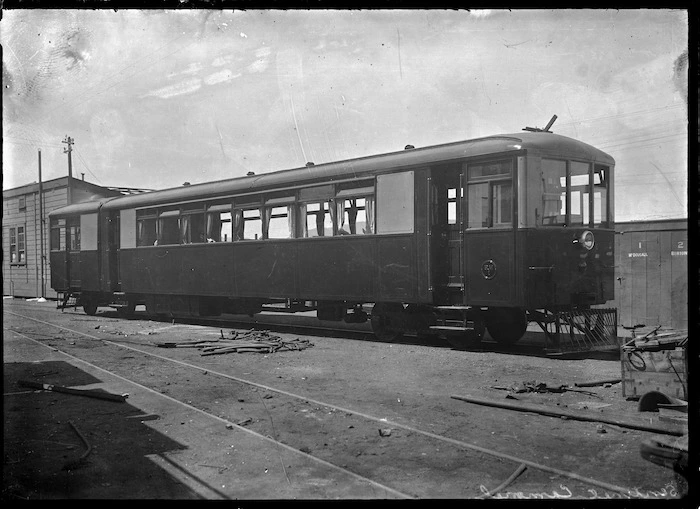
(156, 98)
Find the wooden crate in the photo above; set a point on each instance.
(665, 371)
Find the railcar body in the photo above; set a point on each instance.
(449, 239)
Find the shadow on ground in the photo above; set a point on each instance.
(43, 451)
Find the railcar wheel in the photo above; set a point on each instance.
(385, 322)
(506, 325)
(90, 308)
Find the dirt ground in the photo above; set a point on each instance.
(354, 417)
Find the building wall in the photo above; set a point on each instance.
(24, 279)
(652, 273)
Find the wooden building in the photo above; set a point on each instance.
(652, 273)
(22, 273)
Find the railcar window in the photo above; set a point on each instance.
(57, 239)
(250, 225)
(316, 219)
(146, 230)
(553, 192)
(490, 194)
(279, 222)
(355, 216)
(580, 189)
(452, 205)
(600, 196)
(502, 198)
(192, 228)
(169, 227)
(219, 224)
(73, 232)
(491, 169)
(478, 206)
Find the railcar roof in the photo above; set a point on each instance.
(366, 167)
(86, 207)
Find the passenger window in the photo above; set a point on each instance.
(490, 194)
(452, 205)
(279, 222)
(355, 216)
(316, 219)
(502, 204)
(73, 232)
(146, 232)
(249, 224)
(478, 206)
(219, 224)
(168, 228)
(58, 234)
(192, 229)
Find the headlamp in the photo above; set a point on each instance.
(587, 240)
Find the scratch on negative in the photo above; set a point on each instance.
(272, 269)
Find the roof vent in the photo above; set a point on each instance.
(250, 173)
(408, 147)
(309, 163)
(185, 183)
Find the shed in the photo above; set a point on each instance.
(652, 273)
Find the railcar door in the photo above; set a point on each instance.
(446, 249)
(489, 233)
(73, 248)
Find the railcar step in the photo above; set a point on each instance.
(448, 328)
(453, 308)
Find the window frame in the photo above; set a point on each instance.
(491, 181)
(18, 247)
(588, 189)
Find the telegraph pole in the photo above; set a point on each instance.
(41, 229)
(69, 142)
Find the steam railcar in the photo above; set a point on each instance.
(450, 239)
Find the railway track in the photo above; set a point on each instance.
(314, 427)
(298, 325)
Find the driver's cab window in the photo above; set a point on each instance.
(490, 194)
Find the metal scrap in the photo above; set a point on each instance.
(541, 387)
(251, 341)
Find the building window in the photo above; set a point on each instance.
(22, 203)
(17, 249)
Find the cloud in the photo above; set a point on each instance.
(184, 87)
(220, 77)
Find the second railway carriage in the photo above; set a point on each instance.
(449, 239)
